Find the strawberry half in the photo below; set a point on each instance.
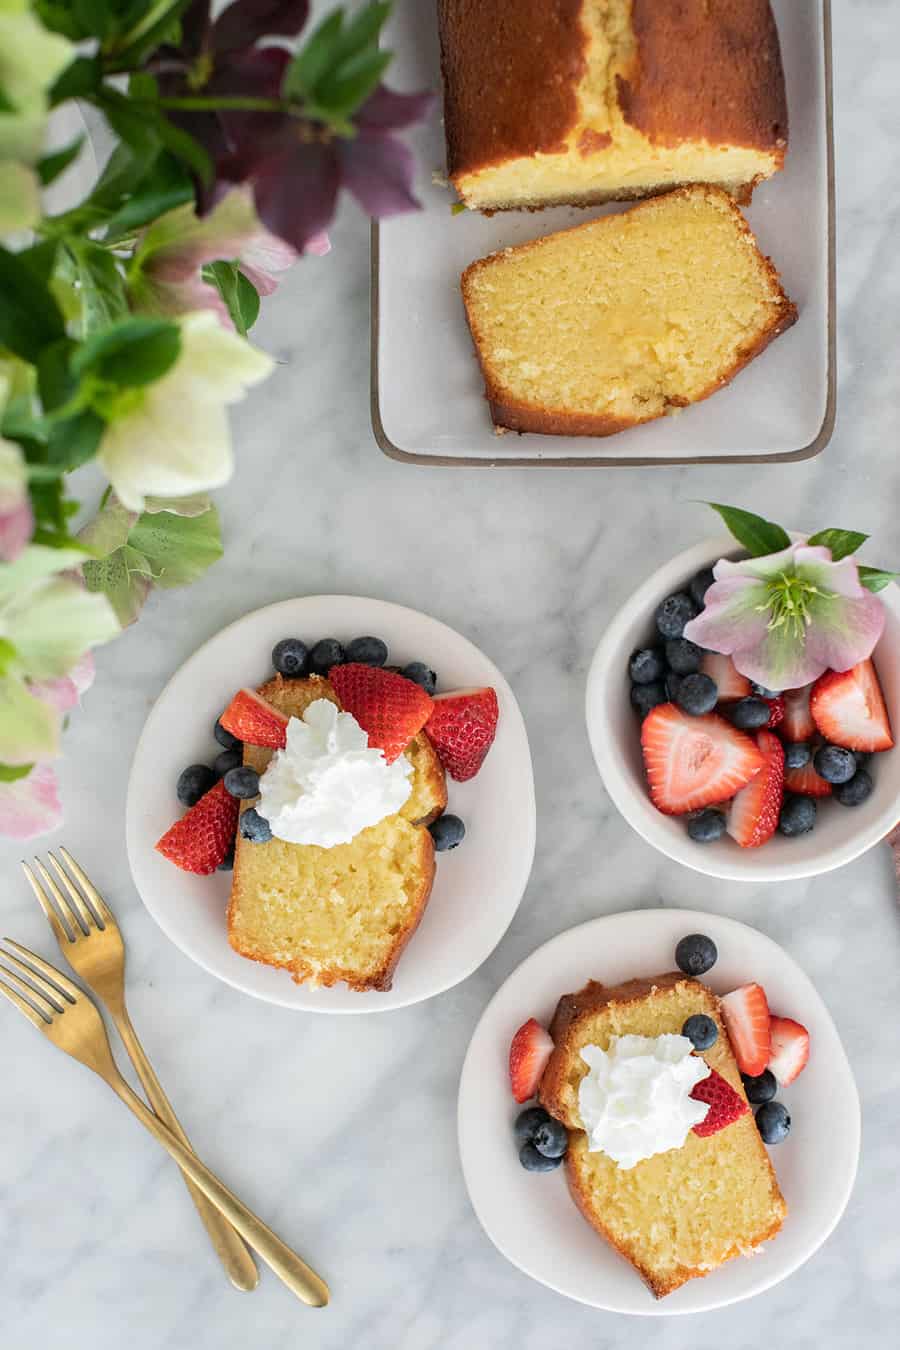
(202, 838)
(848, 708)
(389, 707)
(461, 728)
(250, 718)
(797, 724)
(729, 681)
(528, 1054)
(746, 1014)
(806, 782)
(753, 817)
(693, 762)
(790, 1049)
(725, 1105)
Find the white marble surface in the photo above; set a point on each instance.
(342, 1132)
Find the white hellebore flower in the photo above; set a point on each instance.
(174, 438)
(30, 60)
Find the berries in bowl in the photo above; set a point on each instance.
(741, 705)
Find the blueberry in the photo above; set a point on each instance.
(834, 763)
(551, 1138)
(533, 1161)
(763, 692)
(527, 1122)
(760, 1087)
(367, 651)
(700, 584)
(646, 665)
(447, 832)
(749, 713)
(697, 694)
(706, 827)
(254, 827)
(193, 783)
(684, 657)
(773, 1122)
(856, 790)
(674, 612)
(229, 759)
(696, 954)
(242, 782)
(798, 815)
(290, 658)
(647, 696)
(419, 673)
(225, 738)
(227, 863)
(672, 684)
(797, 754)
(701, 1031)
(325, 654)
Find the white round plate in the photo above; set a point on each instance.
(531, 1218)
(478, 886)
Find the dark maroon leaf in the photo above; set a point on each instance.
(386, 110)
(246, 21)
(379, 172)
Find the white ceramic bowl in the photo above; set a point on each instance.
(841, 833)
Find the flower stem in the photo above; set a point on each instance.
(235, 102)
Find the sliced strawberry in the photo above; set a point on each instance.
(729, 682)
(725, 1105)
(848, 709)
(806, 782)
(746, 1014)
(694, 761)
(753, 817)
(250, 718)
(389, 707)
(790, 1049)
(203, 837)
(798, 724)
(528, 1054)
(776, 712)
(462, 729)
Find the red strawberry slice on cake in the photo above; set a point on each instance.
(746, 1014)
(789, 1049)
(725, 1105)
(528, 1054)
(389, 707)
(848, 709)
(203, 837)
(729, 681)
(753, 817)
(250, 718)
(776, 711)
(806, 782)
(693, 762)
(462, 729)
(797, 724)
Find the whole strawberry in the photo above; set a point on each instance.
(462, 729)
(203, 837)
(389, 707)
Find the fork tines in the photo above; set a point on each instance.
(83, 911)
(46, 991)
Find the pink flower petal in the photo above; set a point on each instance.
(770, 565)
(61, 694)
(83, 672)
(846, 631)
(31, 805)
(731, 618)
(16, 526)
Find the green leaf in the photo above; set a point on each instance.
(138, 127)
(29, 316)
(314, 57)
(75, 440)
(874, 579)
(141, 41)
(60, 17)
(166, 186)
(56, 384)
(79, 80)
(6, 106)
(240, 295)
(841, 542)
(11, 773)
(102, 285)
(52, 512)
(41, 258)
(348, 89)
(757, 535)
(52, 165)
(125, 578)
(131, 352)
(110, 528)
(186, 148)
(178, 548)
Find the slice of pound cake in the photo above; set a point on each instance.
(342, 913)
(679, 1214)
(622, 320)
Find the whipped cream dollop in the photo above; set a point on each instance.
(326, 784)
(635, 1098)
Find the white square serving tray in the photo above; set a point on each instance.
(428, 404)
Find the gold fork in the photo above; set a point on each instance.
(90, 940)
(66, 1015)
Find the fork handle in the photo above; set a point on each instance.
(287, 1265)
(239, 1264)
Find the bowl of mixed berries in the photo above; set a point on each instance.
(743, 704)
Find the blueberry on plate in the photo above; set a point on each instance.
(773, 1122)
(254, 827)
(697, 694)
(834, 763)
(646, 665)
(701, 1031)
(672, 685)
(699, 585)
(367, 651)
(290, 657)
(696, 954)
(242, 782)
(194, 782)
(683, 656)
(447, 832)
(418, 672)
(533, 1161)
(326, 653)
(227, 863)
(856, 790)
(225, 738)
(674, 612)
(798, 815)
(797, 754)
(229, 759)
(750, 713)
(551, 1138)
(527, 1122)
(645, 697)
(760, 1087)
(706, 827)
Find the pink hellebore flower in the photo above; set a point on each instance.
(30, 806)
(787, 617)
(16, 519)
(64, 693)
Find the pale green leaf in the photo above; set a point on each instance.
(125, 578)
(178, 548)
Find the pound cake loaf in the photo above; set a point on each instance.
(343, 913)
(579, 101)
(619, 321)
(679, 1214)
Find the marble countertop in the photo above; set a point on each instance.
(342, 1132)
